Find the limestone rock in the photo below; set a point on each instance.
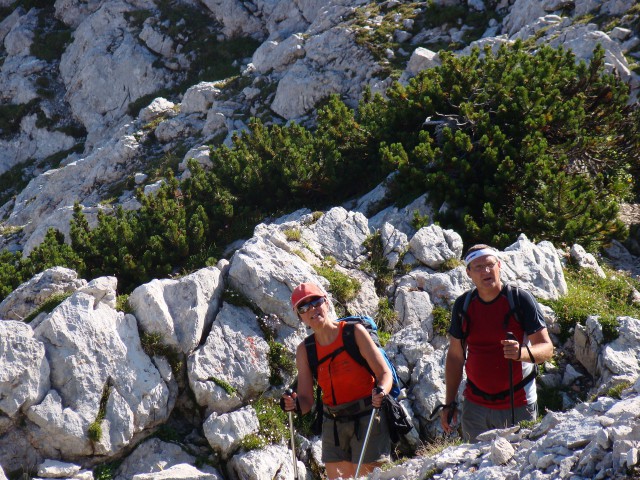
(105, 57)
(95, 353)
(30, 295)
(586, 260)
(535, 268)
(152, 456)
(182, 471)
(24, 369)
(56, 469)
(180, 311)
(273, 461)
(267, 275)
(433, 245)
(225, 431)
(588, 340)
(199, 98)
(157, 108)
(501, 451)
(232, 367)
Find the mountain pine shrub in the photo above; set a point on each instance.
(503, 142)
(511, 142)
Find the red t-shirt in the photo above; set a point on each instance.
(342, 379)
(486, 365)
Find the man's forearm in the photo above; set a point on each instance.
(453, 377)
(541, 352)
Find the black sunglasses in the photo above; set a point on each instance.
(316, 302)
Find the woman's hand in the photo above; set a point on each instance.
(289, 403)
(377, 395)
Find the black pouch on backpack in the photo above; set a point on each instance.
(397, 418)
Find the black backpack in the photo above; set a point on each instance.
(513, 297)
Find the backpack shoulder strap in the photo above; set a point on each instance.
(464, 317)
(350, 345)
(467, 300)
(312, 354)
(513, 296)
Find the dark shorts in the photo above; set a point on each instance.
(350, 432)
(477, 419)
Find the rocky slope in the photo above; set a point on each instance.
(95, 95)
(89, 385)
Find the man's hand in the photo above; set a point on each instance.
(449, 417)
(511, 349)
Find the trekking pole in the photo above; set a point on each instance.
(511, 336)
(366, 437)
(293, 441)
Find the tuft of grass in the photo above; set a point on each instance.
(168, 434)
(94, 432)
(106, 471)
(315, 216)
(343, 287)
(52, 302)
(529, 424)
(588, 294)
(152, 345)
(386, 318)
(11, 115)
(377, 264)
(293, 234)
(51, 45)
(233, 297)
(280, 361)
(226, 386)
(450, 264)
(441, 320)
(300, 254)
(273, 424)
(383, 337)
(418, 221)
(122, 304)
(437, 445)
(616, 391)
(549, 400)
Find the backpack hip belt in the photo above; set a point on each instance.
(358, 408)
(505, 393)
(352, 413)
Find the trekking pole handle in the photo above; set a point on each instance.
(511, 336)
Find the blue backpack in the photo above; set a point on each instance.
(349, 341)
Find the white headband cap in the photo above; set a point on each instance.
(477, 254)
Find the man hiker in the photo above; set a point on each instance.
(498, 334)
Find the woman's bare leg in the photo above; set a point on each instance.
(340, 470)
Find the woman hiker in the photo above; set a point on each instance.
(349, 390)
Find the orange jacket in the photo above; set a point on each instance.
(342, 379)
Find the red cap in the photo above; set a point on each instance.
(304, 291)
